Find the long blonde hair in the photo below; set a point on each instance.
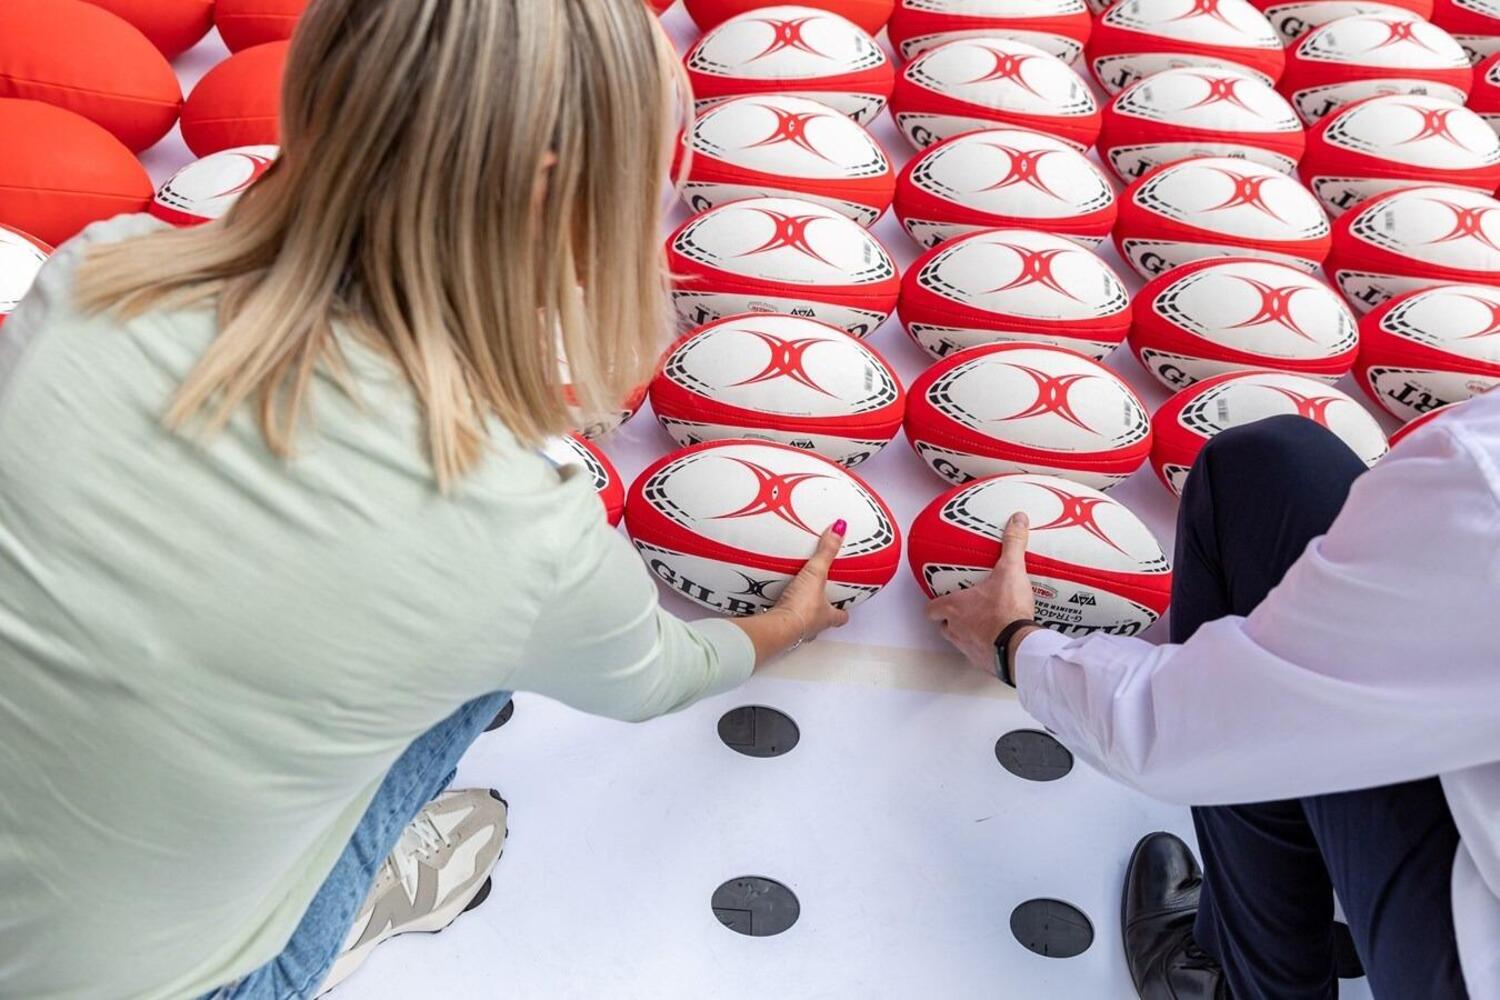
(412, 202)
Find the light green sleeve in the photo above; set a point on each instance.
(603, 644)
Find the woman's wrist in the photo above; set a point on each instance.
(800, 625)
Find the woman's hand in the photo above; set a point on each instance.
(803, 612)
(973, 619)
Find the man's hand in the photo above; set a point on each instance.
(972, 619)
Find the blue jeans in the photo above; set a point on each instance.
(416, 778)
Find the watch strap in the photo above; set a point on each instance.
(1003, 668)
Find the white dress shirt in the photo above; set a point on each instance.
(1376, 661)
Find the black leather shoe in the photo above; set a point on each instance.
(1156, 915)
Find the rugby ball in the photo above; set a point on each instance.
(238, 102)
(244, 24)
(1236, 314)
(999, 285)
(1484, 100)
(1216, 207)
(1193, 111)
(1294, 18)
(798, 51)
(870, 15)
(1187, 421)
(984, 82)
(781, 255)
(660, 6)
(1407, 429)
(1415, 237)
(173, 26)
(1093, 565)
(776, 378)
(1396, 140)
(1004, 177)
(60, 171)
(1367, 54)
(83, 58)
(206, 189)
(1027, 408)
(1430, 347)
(1059, 27)
(727, 524)
(749, 147)
(575, 449)
(1474, 24)
(1137, 38)
(21, 257)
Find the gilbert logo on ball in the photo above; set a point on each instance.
(870, 15)
(1013, 285)
(1216, 207)
(1181, 113)
(1294, 18)
(1396, 140)
(749, 147)
(1003, 177)
(1191, 418)
(1431, 347)
(779, 378)
(1135, 39)
(729, 523)
(206, 189)
(781, 255)
(1027, 408)
(797, 51)
(1058, 27)
(21, 257)
(1093, 565)
(983, 82)
(1235, 314)
(1415, 237)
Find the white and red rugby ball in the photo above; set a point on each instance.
(21, 257)
(769, 144)
(1415, 237)
(1484, 99)
(1004, 177)
(999, 285)
(1294, 18)
(1431, 347)
(977, 83)
(1216, 207)
(1093, 565)
(1363, 55)
(1474, 24)
(1137, 38)
(1198, 111)
(781, 255)
(870, 15)
(1237, 314)
(1191, 418)
(206, 189)
(577, 450)
(799, 51)
(727, 524)
(779, 378)
(1027, 408)
(1397, 140)
(1059, 27)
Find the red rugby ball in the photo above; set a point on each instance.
(727, 524)
(85, 59)
(1294, 18)
(575, 449)
(61, 172)
(21, 257)
(1059, 27)
(1429, 348)
(1415, 237)
(173, 26)
(1004, 177)
(1396, 140)
(1196, 111)
(238, 102)
(1474, 24)
(1137, 38)
(870, 15)
(1214, 207)
(1484, 100)
(244, 24)
(1093, 565)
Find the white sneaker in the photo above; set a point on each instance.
(438, 870)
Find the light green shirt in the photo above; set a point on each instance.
(210, 657)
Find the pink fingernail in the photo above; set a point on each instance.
(840, 527)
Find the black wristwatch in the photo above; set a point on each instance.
(1003, 668)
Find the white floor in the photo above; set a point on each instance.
(907, 845)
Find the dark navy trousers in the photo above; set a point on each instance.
(1256, 496)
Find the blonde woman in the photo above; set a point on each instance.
(274, 525)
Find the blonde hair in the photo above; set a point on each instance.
(413, 203)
